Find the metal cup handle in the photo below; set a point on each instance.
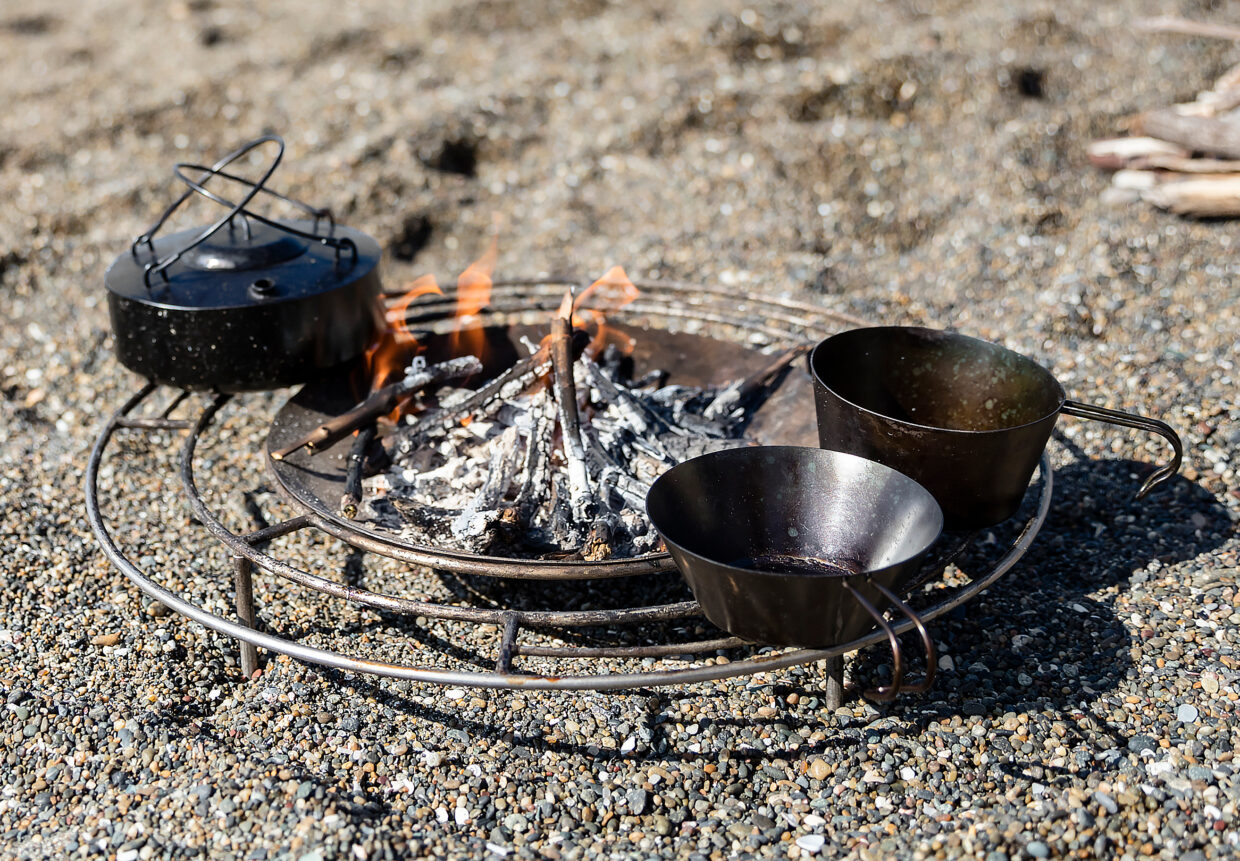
(926, 641)
(887, 693)
(1115, 417)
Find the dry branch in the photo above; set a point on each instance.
(1202, 198)
(1116, 153)
(1218, 136)
(1177, 164)
(1187, 27)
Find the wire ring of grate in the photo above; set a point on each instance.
(779, 314)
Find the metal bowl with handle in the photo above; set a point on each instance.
(797, 546)
(966, 418)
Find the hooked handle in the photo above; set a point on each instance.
(1129, 420)
(887, 693)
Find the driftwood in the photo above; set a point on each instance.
(1216, 197)
(1179, 165)
(380, 403)
(1217, 135)
(1117, 153)
(1159, 168)
(1187, 27)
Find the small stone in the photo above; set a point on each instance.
(1209, 683)
(105, 639)
(1107, 802)
(1140, 743)
(1187, 713)
(516, 823)
(637, 801)
(947, 663)
(433, 759)
(1038, 849)
(818, 769)
(662, 826)
(811, 843)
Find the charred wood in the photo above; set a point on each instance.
(356, 463)
(580, 501)
(380, 403)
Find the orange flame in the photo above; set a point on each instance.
(610, 293)
(473, 294)
(396, 346)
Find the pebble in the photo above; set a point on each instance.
(1186, 713)
(819, 769)
(1038, 849)
(811, 843)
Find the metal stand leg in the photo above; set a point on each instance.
(833, 669)
(244, 583)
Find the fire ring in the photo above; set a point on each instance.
(755, 323)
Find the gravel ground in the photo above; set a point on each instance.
(901, 161)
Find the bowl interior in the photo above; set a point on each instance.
(936, 379)
(763, 506)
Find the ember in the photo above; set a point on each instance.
(553, 457)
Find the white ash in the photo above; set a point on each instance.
(496, 481)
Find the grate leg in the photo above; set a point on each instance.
(833, 669)
(243, 582)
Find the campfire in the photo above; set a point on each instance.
(550, 458)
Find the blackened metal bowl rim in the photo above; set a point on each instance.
(1062, 393)
(759, 574)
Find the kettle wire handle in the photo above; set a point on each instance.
(239, 208)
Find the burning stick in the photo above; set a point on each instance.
(484, 401)
(580, 496)
(380, 403)
(352, 495)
